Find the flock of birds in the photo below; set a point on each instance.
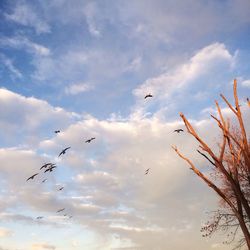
(49, 167)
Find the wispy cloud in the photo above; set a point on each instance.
(21, 42)
(8, 63)
(77, 88)
(25, 14)
(91, 13)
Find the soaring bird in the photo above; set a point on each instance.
(46, 165)
(32, 177)
(60, 210)
(89, 140)
(63, 151)
(39, 217)
(146, 172)
(178, 130)
(147, 96)
(44, 180)
(61, 188)
(50, 169)
(57, 131)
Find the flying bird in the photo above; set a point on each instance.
(60, 210)
(147, 96)
(39, 217)
(61, 188)
(178, 130)
(57, 131)
(63, 151)
(46, 165)
(44, 180)
(89, 140)
(50, 169)
(237, 108)
(146, 172)
(32, 177)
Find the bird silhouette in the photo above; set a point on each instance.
(89, 140)
(50, 169)
(61, 188)
(147, 96)
(57, 131)
(44, 180)
(146, 172)
(46, 165)
(63, 151)
(39, 217)
(178, 130)
(237, 108)
(60, 210)
(32, 177)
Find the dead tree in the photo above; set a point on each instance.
(230, 173)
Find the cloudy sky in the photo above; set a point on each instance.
(83, 67)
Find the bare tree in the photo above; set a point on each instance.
(230, 173)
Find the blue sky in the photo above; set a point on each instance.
(84, 67)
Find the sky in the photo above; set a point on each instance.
(84, 68)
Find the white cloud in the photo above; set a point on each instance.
(201, 63)
(114, 194)
(105, 186)
(190, 80)
(77, 88)
(28, 162)
(25, 15)
(20, 42)
(121, 198)
(21, 116)
(246, 83)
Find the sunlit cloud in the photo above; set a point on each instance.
(83, 70)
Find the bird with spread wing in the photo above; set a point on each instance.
(63, 151)
(89, 140)
(32, 177)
